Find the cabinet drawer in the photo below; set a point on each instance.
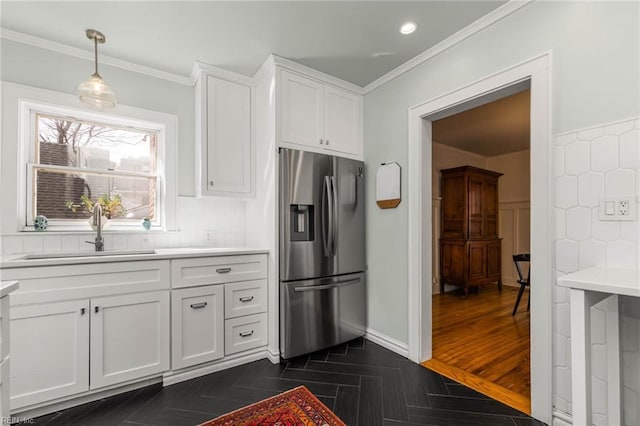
(217, 270)
(241, 334)
(245, 298)
(4, 327)
(197, 325)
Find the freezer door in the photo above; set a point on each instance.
(349, 245)
(305, 216)
(317, 314)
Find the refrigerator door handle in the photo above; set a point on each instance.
(334, 217)
(327, 219)
(325, 286)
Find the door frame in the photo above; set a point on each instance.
(537, 73)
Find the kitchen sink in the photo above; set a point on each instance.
(87, 254)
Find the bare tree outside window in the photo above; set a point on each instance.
(79, 160)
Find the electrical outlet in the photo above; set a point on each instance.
(623, 207)
(617, 208)
(212, 237)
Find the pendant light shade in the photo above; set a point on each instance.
(95, 91)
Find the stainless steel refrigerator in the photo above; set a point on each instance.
(322, 251)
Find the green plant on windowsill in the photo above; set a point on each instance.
(111, 206)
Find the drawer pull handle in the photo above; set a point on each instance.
(96, 309)
(82, 311)
(246, 333)
(198, 305)
(246, 299)
(223, 270)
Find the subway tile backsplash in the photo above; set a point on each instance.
(201, 222)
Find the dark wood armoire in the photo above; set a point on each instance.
(469, 243)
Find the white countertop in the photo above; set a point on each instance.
(7, 287)
(19, 261)
(605, 280)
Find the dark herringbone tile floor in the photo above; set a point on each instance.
(363, 383)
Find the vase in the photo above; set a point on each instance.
(40, 223)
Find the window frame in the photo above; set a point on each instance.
(165, 127)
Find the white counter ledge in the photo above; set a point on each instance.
(7, 287)
(605, 280)
(19, 261)
(587, 288)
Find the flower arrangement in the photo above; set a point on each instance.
(111, 206)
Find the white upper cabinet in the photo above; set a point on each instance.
(319, 115)
(301, 110)
(342, 121)
(224, 135)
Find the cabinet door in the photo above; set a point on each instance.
(301, 110)
(475, 200)
(494, 260)
(477, 261)
(129, 337)
(49, 351)
(197, 326)
(490, 208)
(342, 121)
(228, 147)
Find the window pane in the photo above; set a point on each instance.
(67, 195)
(66, 142)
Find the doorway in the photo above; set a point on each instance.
(535, 72)
(479, 339)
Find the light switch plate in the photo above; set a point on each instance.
(617, 208)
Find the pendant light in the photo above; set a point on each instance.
(95, 91)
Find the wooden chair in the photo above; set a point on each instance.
(518, 259)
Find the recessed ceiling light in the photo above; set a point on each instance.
(408, 27)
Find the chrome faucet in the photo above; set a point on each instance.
(97, 222)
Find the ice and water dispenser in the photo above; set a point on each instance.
(302, 222)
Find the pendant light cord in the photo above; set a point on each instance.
(95, 52)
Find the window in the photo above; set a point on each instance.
(77, 158)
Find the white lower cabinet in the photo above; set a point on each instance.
(244, 333)
(49, 351)
(129, 337)
(197, 324)
(66, 348)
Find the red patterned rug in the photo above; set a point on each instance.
(295, 407)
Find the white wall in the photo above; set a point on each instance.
(595, 67)
(224, 219)
(446, 157)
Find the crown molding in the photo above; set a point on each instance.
(310, 72)
(471, 29)
(265, 69)
(201, 67)
(88, 55)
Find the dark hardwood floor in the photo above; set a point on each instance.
(363, 383)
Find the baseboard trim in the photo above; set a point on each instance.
(560, 418)
(172, 378)
(60, 404)
(273, 356)
(387, 342)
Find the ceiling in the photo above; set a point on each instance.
(496, 128)
(355, 41)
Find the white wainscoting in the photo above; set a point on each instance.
(515, 225)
